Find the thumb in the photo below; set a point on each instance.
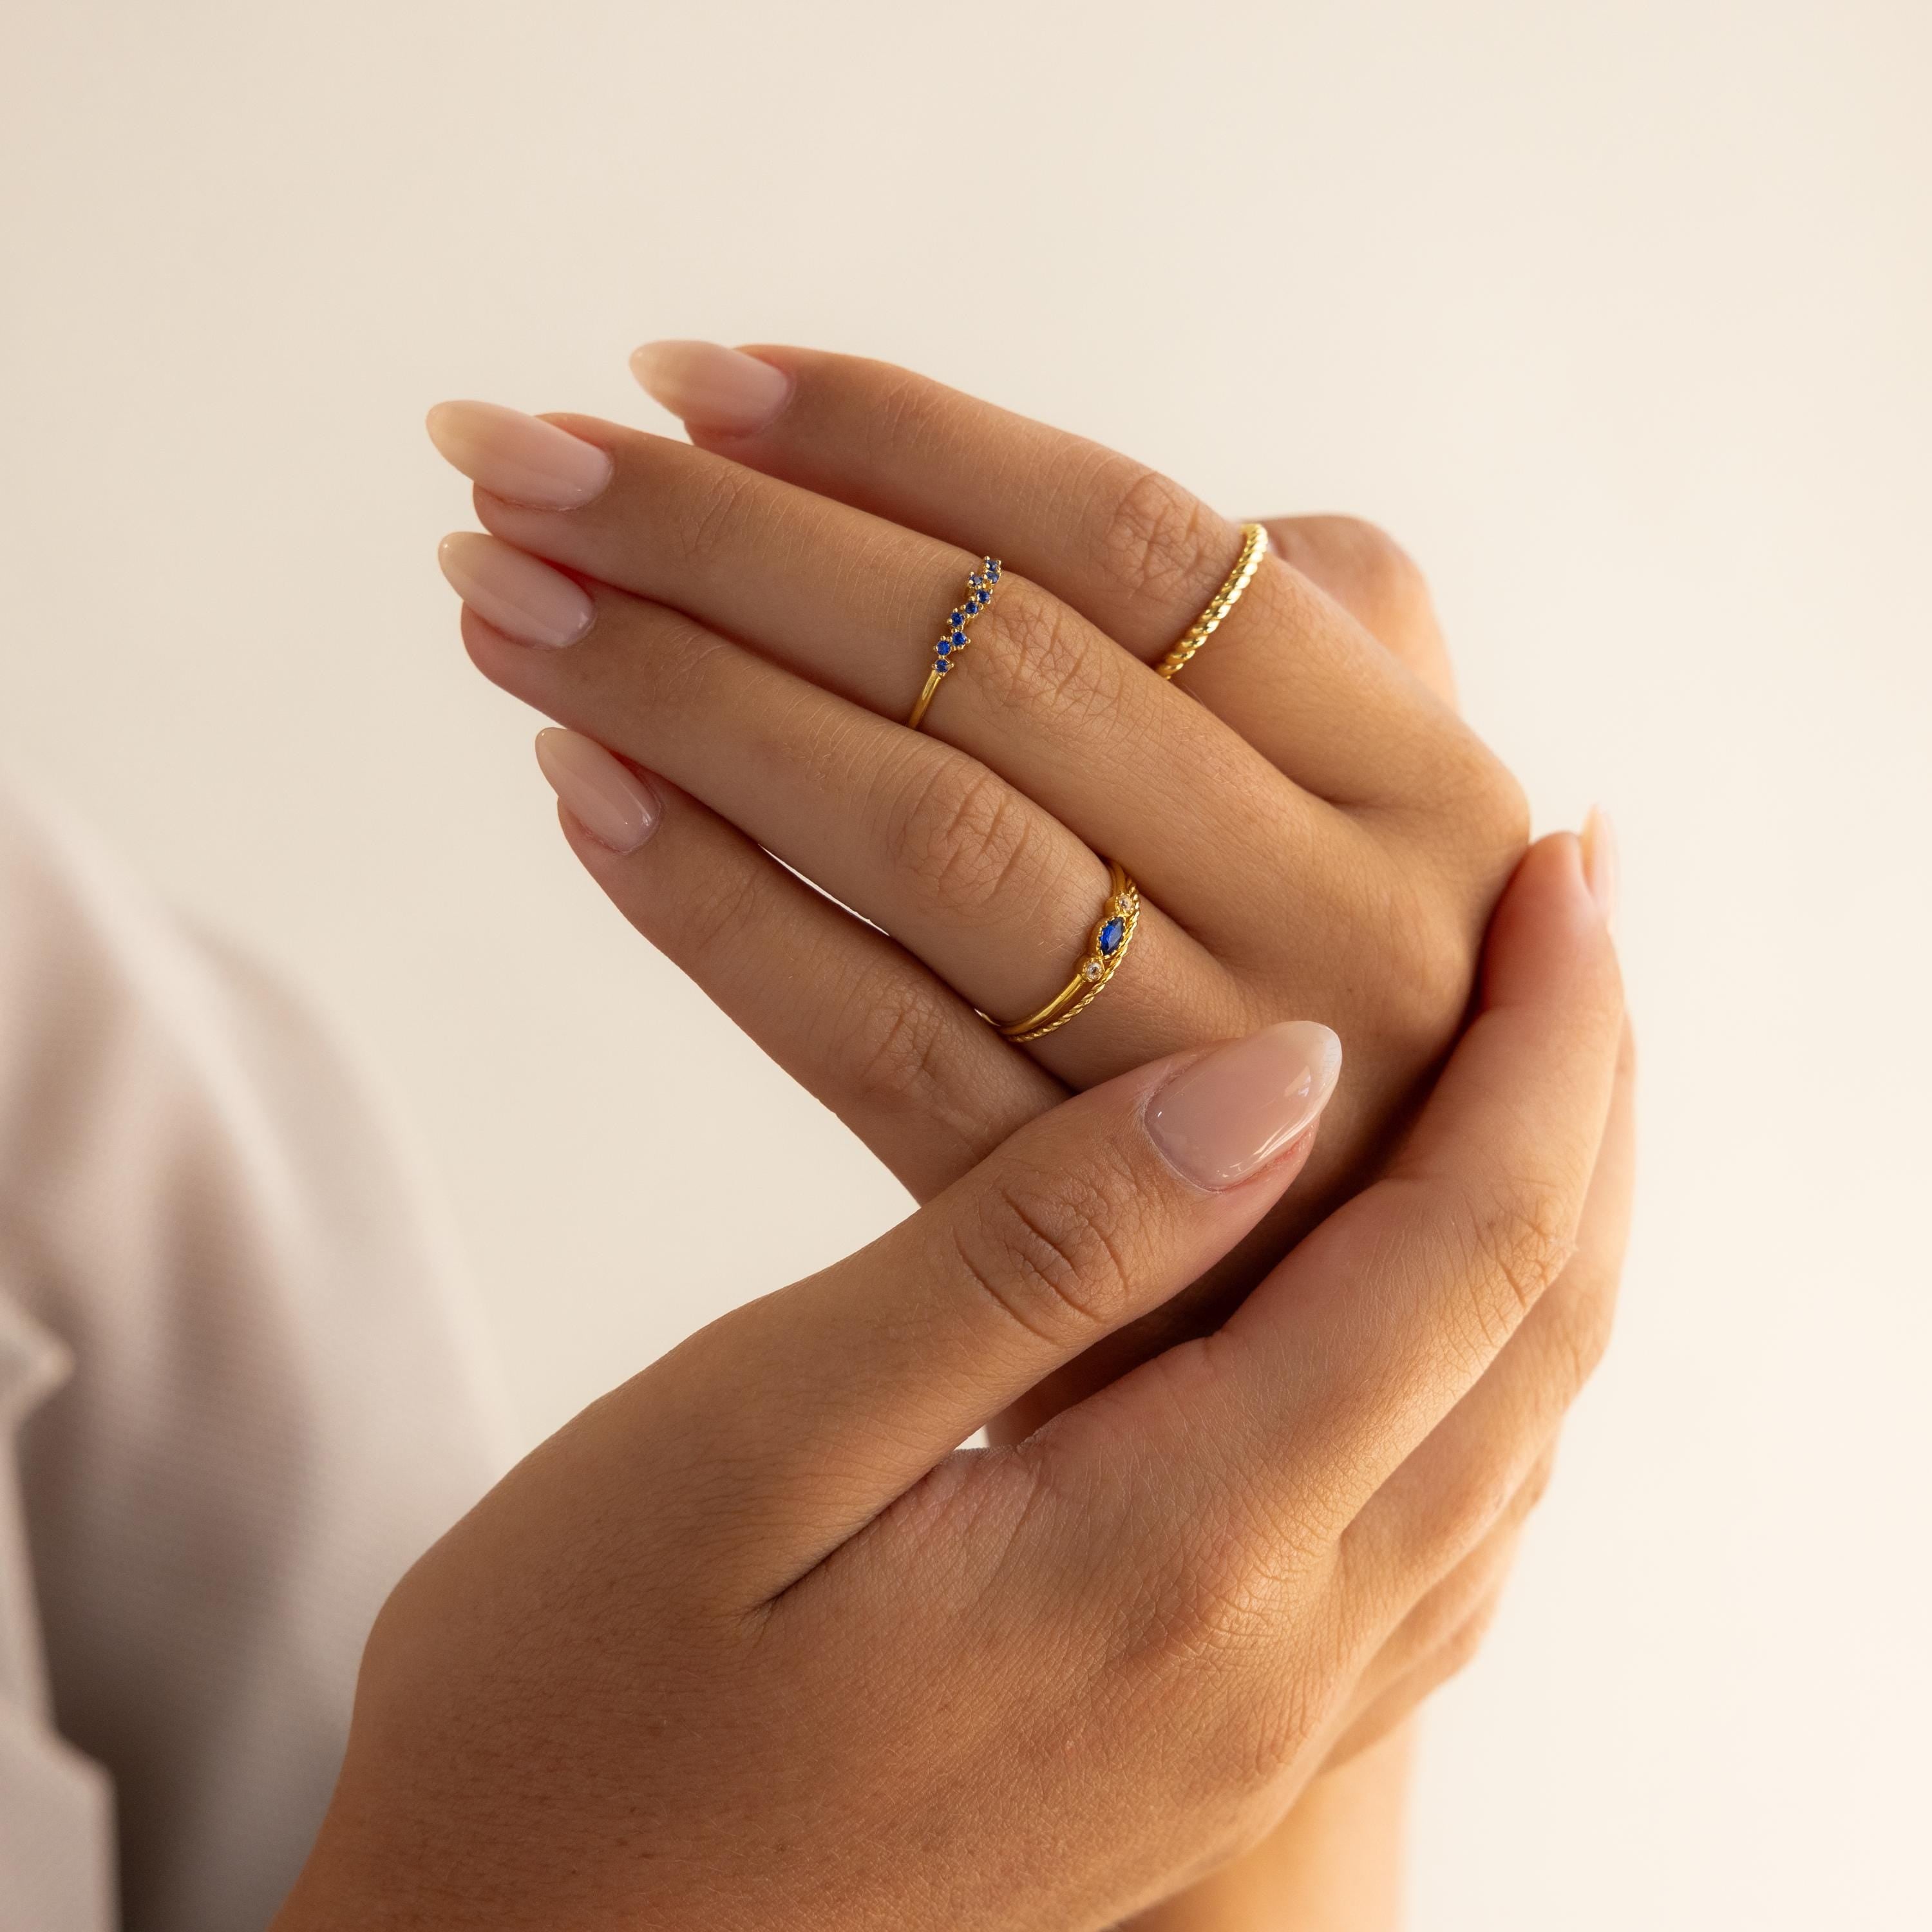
(824, 1402)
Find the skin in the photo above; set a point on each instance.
(1321, 837)
(749, 1643)
(752, 600)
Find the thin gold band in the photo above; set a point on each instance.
(1107, 946)
(925, 697)
(1254, 547)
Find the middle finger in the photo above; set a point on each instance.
(989, 890)
(855, 603)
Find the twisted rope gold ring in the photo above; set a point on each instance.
(1254, 547)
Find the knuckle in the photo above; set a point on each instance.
(1218, 1623)
(1043, 658)
(1222, 1605)
(719, 917)
(710, 501)
(1521, 1242)
(1049, 1251)
(963, 833)
(1157, 539)
(896, 1040)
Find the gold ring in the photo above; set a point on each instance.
(952, 645)
(1106, 946)
(1254, 547)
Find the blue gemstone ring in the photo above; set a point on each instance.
(1107, 946)
(951, 647)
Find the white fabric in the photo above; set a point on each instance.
(237, 1399)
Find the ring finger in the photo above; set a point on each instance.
(1136, 553)
(856, 604)
(988, 889)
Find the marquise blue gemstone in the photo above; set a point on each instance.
(1110, 935)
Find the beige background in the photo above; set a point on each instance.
(1617, 314)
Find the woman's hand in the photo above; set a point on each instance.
(1314, 830)
(749, 1642)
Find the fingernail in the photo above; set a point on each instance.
(1599, 861)
(520, 458)
(505, 586)
(712, 387)
(603, 794)
(1230, 1113)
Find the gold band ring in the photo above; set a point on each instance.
(1254, 547)
(952, 645)
(1106, 946)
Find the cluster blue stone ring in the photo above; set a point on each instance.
(952, 645)
(1106, 946)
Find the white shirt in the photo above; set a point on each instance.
(238, 1395)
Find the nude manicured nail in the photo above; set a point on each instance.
(603, 794)
(1229, 1114)
(711, 386)
(520, 458)
(525, 599)
(1600, 868)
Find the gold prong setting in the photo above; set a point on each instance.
(1107, 944)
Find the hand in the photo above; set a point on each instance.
(748, 1642)
(921, 1078)
(1313, 828)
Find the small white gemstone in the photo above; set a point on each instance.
(1093, 969)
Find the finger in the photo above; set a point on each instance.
(1325, 1380)
(988, 889)
(869, 1374)
(1440, 1617)
(1441, 1500)
(1130, 550)
(1376, 581)
(857, 604)
(853, 1018)
(1366, 1727)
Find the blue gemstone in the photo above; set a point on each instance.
(959, 625)
(1110, 935)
